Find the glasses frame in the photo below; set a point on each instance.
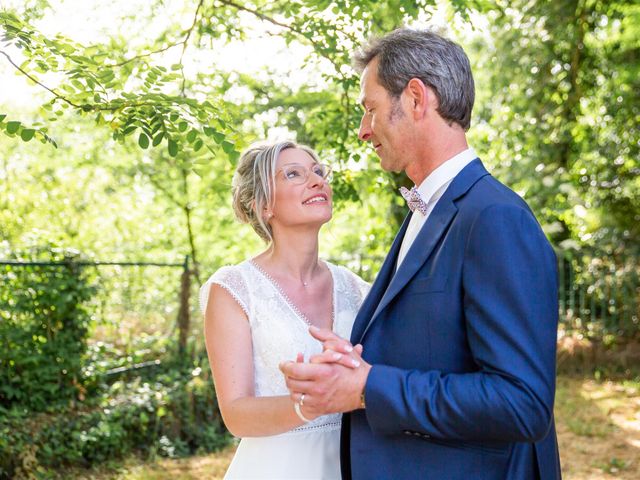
(307, 171)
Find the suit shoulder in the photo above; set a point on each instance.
(489, 192)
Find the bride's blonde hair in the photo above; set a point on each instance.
(253, 184)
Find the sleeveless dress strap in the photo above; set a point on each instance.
(233, 280)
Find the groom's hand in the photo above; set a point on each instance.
(327, 387)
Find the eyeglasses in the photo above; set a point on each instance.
(299, 174)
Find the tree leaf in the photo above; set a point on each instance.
(27, 134)
(143, 141)
(129, 130)
(218, 137)
(192, 135)
(228, 147)
(12, 127)
(157, 139)
(173, 148)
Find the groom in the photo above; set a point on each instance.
(457, 375)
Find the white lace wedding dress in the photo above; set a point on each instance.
(279, 331)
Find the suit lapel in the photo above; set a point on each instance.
(379, 285)
(426, 240)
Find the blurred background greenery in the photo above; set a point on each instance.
(121, 126)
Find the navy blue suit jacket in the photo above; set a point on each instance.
(462, 339)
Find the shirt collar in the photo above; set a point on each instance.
(445, 173)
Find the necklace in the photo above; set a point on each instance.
(288, 301)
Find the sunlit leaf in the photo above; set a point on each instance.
(228, 147)
(157, 139)
(143, 141)
(172, 146)
(27, 134)
(12, 127)
(218, 137)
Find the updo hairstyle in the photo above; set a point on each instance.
(254, 184)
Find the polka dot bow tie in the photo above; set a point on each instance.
(414, 200)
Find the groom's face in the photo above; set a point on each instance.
(384, 123)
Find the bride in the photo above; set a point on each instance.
(258, 314)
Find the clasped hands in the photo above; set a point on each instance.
(330, 382)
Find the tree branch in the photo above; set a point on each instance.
(291, 28)
(184, 44)
(93, 107)
(261, 16)
(187, 213)
(37, 82)
(138, 57)
(164, 190)
(193, 25)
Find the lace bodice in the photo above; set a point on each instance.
(277, 329)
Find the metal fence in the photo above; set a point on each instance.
(599, 292)
(137, 311)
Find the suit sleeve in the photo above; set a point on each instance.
(509, 285)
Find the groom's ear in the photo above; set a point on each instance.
(419, 96)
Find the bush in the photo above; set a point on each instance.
(67, 403)
(44, 320)
(174, 415)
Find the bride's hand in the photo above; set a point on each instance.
(351, 360)
(336, 349)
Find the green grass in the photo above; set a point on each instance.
(582, 416)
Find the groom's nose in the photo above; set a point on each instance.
(364, 133)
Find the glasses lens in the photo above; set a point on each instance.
(295, 173)
(327, 174)
(322, 170)
(299, 174)
(319, 170)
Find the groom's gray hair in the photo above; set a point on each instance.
(440, 63)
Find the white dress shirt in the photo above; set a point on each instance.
(431, 189)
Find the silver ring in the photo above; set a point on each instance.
(301, 402)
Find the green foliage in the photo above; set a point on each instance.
(45, 320)
(14, 128)
(598, 295)
(145, 101)
(97, 77)
(561, 116)
(95, 84)
(174, 414)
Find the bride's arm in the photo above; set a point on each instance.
(228, 340)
